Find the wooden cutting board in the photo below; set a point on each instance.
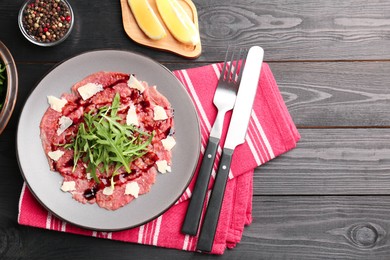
(169, 43)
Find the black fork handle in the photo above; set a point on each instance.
(191, 221)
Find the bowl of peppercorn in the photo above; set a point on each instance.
(8, 85)
(46, 22)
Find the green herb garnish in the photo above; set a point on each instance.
(2, 83)
(102, 142)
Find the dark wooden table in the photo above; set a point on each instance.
(328, 198)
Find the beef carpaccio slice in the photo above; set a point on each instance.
(143, 170)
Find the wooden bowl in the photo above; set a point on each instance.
(11, 86)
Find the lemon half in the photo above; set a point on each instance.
(147, 19)
(178, 22)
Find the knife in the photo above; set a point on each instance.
(235, 136)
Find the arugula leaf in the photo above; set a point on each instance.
(103, 143)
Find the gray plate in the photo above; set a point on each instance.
(45, 184)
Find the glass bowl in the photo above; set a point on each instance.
(11, 86)
(46, 22)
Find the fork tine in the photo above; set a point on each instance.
(242, 65)
(231, 63)
(236, 65)
(230, 76)
(225, 64)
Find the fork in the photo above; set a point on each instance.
(224, 99)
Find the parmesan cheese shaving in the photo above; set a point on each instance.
(89, 90)
(159, 113)
(131, 117)
(108, 191)
(56, 103)
(64, 122)
(134, 83)
(132, 188)
(163, 167)
(68, 186)
(55, 155)
(168, 142)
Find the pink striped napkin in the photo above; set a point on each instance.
(271, 132)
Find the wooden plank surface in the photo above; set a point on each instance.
(336, 94)
(330, 161)
(294, 30)
(325, 227)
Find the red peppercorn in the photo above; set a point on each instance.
(67, 18)
(45, 29)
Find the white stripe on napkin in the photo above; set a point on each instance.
(141, 234)
(263, 136)
(157, 230)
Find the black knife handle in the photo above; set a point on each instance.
(194, 211)
(209, 227)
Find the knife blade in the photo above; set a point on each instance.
(236, 135)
